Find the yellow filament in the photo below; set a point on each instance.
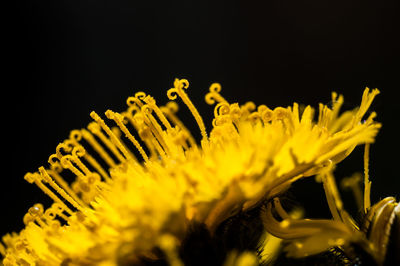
(367, 183)
(118, 119)
(46, 177)
(334, 191)
(154, 127)
(58, 210)
(178, 89)
(95, 128)
(169, 110)
(152, 104)
(49, 216)
(113, 138)
(75, 136)
(36, 178)
(333, 202)
(157, 145)
(40, 222)
(92, 161)
(98, 148)
(63, 216)
(145, 139)
(147, 132)
(64, 185)
(117, 133)
(76, 153)
(66, 162)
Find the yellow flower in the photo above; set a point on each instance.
(130, 192)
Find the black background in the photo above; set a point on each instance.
(64, 59)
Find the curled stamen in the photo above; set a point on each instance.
(214, 94)
(280, 113)
(266, 114)
(248, 106)
(136, 100)
(172, 93)
(221, 109)
(67, 146)
(55, 164)
(235, 112)
(75, 136)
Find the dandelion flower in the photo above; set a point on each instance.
(128, 189)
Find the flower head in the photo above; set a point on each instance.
(129, 192)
